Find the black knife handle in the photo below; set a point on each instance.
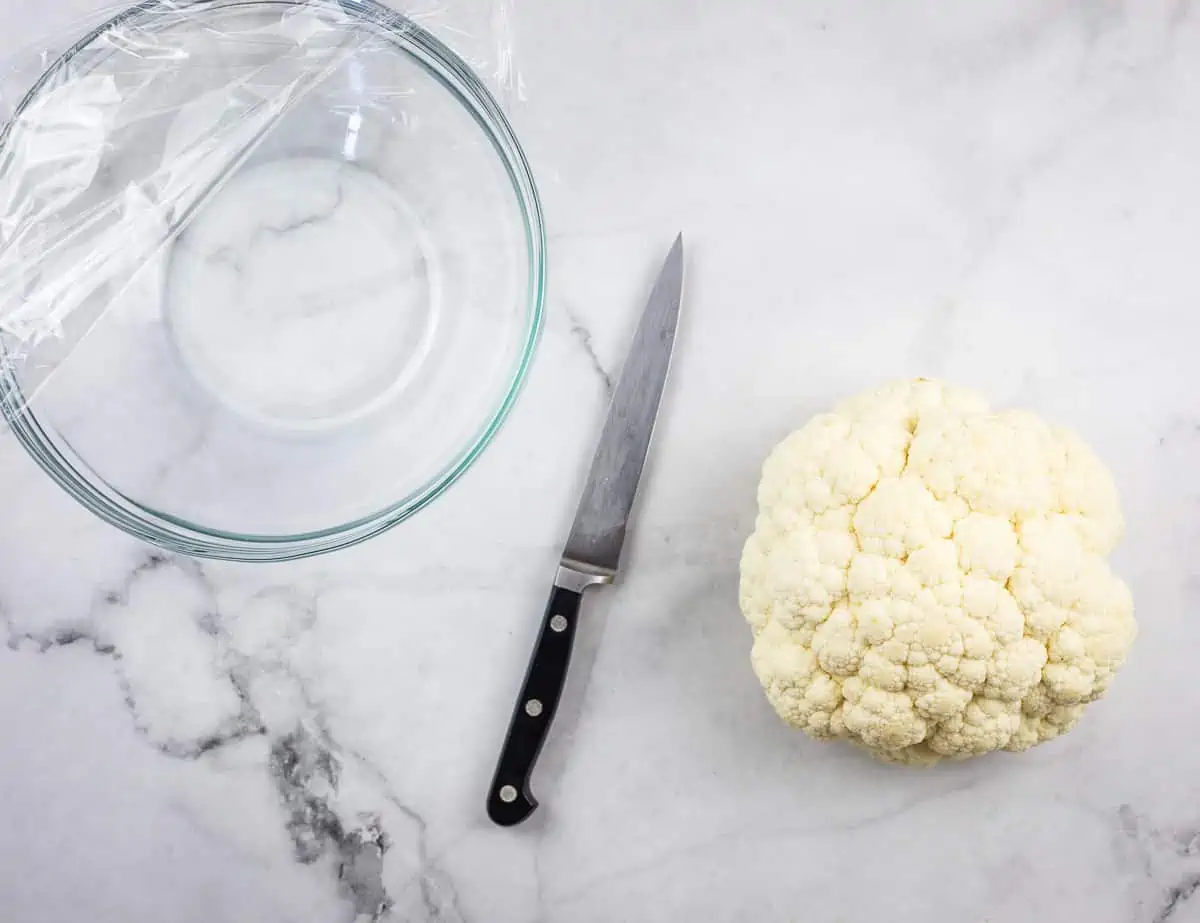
(510, 800)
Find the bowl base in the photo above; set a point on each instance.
(305, 294)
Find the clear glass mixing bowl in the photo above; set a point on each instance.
(292, 286)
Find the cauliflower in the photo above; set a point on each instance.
(928, 578)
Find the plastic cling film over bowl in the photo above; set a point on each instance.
(271, 271)
(119, 131)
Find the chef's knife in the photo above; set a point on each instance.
(593, 550)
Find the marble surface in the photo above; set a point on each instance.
(1005, 194)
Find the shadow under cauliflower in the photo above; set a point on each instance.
(929, 579)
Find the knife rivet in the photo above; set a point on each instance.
(508, 794)
(533, 708)
(558, 623)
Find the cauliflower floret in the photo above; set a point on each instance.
(928, 579)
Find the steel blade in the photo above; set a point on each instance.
(599, 530)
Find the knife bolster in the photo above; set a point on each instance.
(577, 577)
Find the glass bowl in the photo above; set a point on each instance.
(279, 274)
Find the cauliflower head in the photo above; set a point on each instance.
(927, 577)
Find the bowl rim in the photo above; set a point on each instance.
(69, 471)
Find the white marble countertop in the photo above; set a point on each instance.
(1006, 194)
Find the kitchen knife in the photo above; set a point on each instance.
(593, 549)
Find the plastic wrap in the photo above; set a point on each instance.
(118, 133)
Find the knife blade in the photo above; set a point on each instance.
(593, 550)
(599, 531)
